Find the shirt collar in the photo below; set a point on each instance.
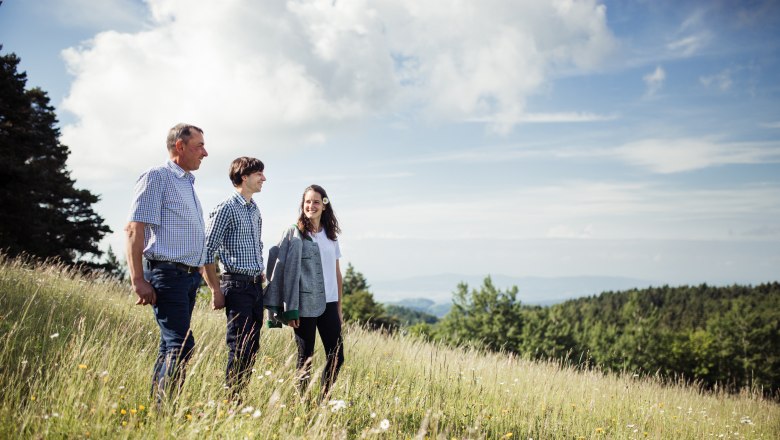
(240, 200)
(179, 171)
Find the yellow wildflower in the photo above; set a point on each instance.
(141, 407)
(599, 430)
(133, 411)
(82, 366)
(123, 412)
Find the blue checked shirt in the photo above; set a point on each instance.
(233, 233)
(166, 202)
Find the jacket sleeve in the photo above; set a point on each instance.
(271, 293)
(291, 278)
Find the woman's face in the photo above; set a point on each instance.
(312, 205)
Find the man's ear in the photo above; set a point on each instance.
(179, 145)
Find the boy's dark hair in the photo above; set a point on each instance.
(244, 166)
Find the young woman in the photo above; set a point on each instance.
(305, 285)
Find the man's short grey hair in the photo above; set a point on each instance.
(181, 131)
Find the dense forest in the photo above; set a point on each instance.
(718, 337)
(727, 337)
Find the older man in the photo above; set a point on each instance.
(166, 247)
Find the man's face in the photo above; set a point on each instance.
(254, 181)
(192, 152)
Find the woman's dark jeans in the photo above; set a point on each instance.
(329, 326)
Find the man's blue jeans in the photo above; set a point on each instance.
(175, 289)
(244, 312)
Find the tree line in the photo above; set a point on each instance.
(725, 337)
(719, 337)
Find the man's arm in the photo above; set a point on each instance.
(135, 248)
(216, 228)
(212, 280)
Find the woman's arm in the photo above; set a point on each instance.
(340, 284)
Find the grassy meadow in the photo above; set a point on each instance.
(76, 357)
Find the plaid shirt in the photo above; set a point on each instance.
(166, 202)
(233, 233)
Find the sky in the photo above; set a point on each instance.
(542, 138)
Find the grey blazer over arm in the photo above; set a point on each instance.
(296, 287)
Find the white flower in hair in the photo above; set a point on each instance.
(325, 201)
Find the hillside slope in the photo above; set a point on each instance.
(76, 355)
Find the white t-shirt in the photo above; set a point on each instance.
(329, 253)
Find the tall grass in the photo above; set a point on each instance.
(76, 357)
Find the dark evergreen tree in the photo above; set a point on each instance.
(354, 281)
(487, 316)
(43, 214)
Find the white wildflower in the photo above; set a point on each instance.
(384, 424)
(247, 410)
(373, 415)
(54, 335)
(336, 405)
(256, 414)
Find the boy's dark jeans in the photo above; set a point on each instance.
(244, 311)
(175, 289)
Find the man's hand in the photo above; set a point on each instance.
(217, 299)
(294, 323)
(145, 292)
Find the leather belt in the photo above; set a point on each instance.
(255, 279)
(180, 266)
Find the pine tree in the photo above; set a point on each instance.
(354, 281)
(43, 214)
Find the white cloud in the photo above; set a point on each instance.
(692, 34)
(565, 231)
(678, 155)
(567, 117)
(654, 80)
(574, 209)
(689, 45)
(720, 80)
(291, 73)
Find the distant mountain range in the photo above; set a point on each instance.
(433, 294)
